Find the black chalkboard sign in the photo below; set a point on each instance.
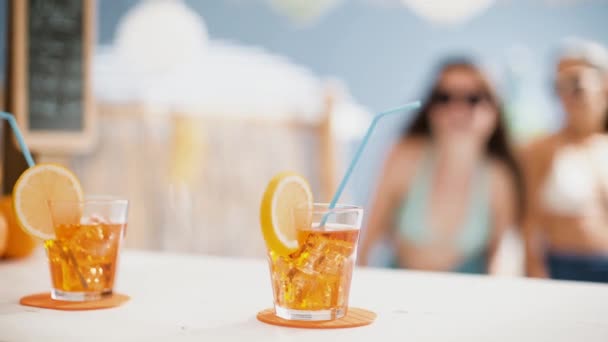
(52, 46)
(55, 77)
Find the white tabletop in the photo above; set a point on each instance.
(200, 298)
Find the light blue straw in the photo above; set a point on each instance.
(401, 109)
(13, 123)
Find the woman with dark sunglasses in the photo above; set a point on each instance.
(450, 186)
(566, 223)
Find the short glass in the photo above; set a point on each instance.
(313, 283)
(84, 254)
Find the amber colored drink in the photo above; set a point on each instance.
(315, 281)
(83, 259)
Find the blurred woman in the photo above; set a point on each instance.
(566, 226)
(449, 187)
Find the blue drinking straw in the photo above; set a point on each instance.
(13, 123)
(401, 109)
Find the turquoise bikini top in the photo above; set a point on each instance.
(472, 238)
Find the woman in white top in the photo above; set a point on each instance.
(566, 222)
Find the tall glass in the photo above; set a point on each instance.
(84, 254)
(313, 283)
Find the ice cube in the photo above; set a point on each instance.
(53, 250)
(311, 254)
(323, 255)
(93, 241)
(303, 289)
(93, 219)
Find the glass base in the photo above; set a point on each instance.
(309, 315)
(79, 296)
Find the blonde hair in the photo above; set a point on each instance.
(592, 53)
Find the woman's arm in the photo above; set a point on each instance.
(503, 204)
(535, 264)
(384, 204)
(534, 252)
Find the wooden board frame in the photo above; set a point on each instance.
(50, 141)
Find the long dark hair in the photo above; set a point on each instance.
(497, 146)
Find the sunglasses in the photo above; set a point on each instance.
(472, 99)
(577, 85)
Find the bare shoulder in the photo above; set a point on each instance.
(402, 161)
(504, 191)
(501, 176)
(539, 149)
(414, 146)
(599, 140)
(408, 150)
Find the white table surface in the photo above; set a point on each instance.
(201, 298)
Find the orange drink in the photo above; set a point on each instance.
(315, 280)
(311, 250)
(83, 254)
(83, 258)
(82, 236)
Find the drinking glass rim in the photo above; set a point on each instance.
(95, 199)
(321, 208)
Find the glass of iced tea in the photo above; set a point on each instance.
(313, 283)
(83, 256)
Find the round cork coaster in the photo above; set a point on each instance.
(44, 300)
(355, 317)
